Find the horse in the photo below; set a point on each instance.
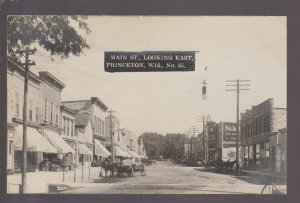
(108, 167)
(229, 165)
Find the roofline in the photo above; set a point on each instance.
(93, 99)
(282, 108)
(53, 77)
(30, 73)
(75, 101)
(98, 101)
(68, 109)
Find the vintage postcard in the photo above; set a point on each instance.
(102, 104)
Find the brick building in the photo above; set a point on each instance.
(259, 126)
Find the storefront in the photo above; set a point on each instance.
(64, 151)
(100, 151)
(37, 147)
(85, 155)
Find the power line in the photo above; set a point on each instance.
(237, 83)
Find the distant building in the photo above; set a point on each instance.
(262, 139)
(89, 123)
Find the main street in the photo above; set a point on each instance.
(169, 178)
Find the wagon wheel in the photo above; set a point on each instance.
(269, 189)
(143, 172)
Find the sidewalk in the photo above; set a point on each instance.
(267, 176)
(37, 181)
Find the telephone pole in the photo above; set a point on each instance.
(237, 84)
(111, 136)
(193, 130)
(26, 66)
(205, 139)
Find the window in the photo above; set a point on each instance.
(102, 127)
(268, 123)
(46, 106)
(30, 110)
(72, 122)
(57, 112)
(36, 114)
(68, 126)
(10, 146)
(17, 110)
(64, 125)
(51, 113)
(95, 124)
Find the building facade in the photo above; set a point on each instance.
(68, 131)
(89, 124)
(44, 141)
(15, 98)
(259, 126)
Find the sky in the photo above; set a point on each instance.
(247, 48)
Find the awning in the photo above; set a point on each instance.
(121, 152)
(35, 141)
(100, 150)
(58, 142)
(82, 149)
(133, 154)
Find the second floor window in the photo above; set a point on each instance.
(68, 126)
(51, 113)
(72, 126)
(30, 110)
(102, 127)
(36, 114)
(64, 125)
(57, 112)
(46, 106)
(17, 105)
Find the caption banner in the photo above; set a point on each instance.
(149, 61)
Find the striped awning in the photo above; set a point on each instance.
(121, 152)
(133, 154)
(100, 150)
(35, 141)
(58, 142)
(82, 149)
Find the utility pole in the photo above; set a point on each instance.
(111, 136)
(193, 130)
(204, 118)
(26, 66)
(237, 83)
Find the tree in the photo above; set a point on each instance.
(56, 34)
(153, 143)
